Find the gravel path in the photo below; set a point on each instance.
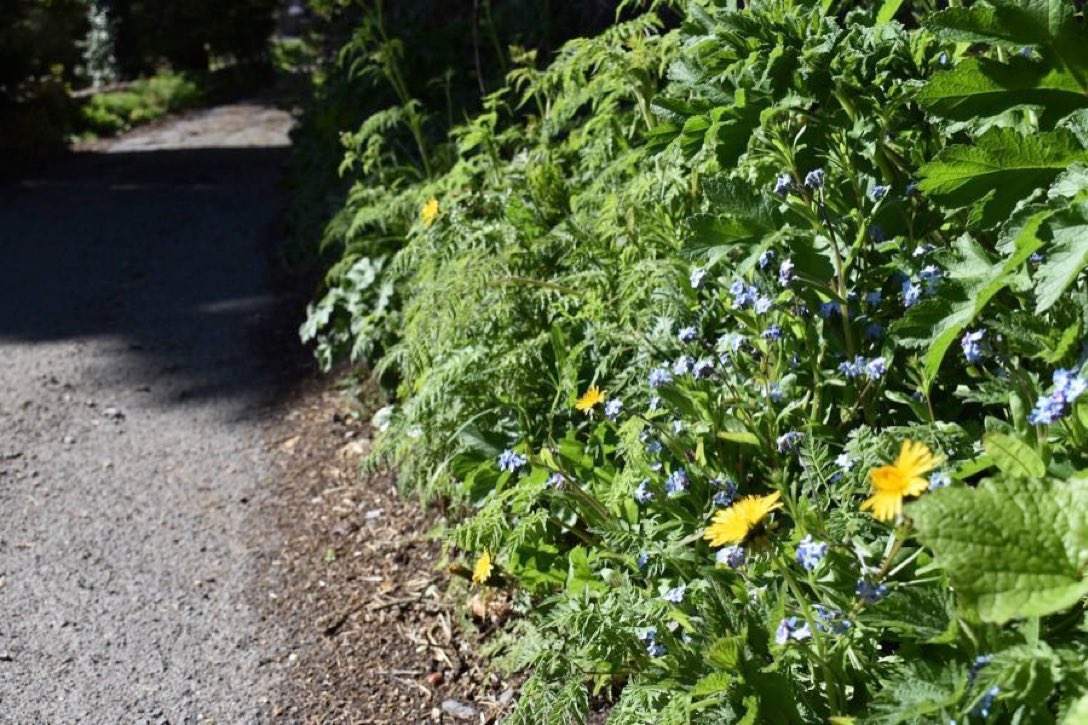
(135, 387)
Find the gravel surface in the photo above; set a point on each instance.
(136, 387)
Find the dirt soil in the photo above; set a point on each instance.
(357, 582)
(167, 553)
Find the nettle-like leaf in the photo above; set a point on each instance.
(974, 280)
(982, 87)
(1029, 670)
(918, 691)
(1012, 548)
(1020, 22)
(1003, 165)
(1067, 256)
(1048, 25)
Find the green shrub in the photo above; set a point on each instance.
(828, 268)
(111, 112)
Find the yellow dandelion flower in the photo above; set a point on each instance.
(429, 212)
(734, 524)
(482, 571)
(905, 477)
(592, 396)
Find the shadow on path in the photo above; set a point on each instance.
(144, 349)
(164, 251)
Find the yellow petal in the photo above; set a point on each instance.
(885, 506)
(482, 571)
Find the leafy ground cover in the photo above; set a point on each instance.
(744, 345)
(148, 99)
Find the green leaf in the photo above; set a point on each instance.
(712, 684)
(1069, 338)
(1001, 162)
(1020, 22)
(887, 11)
(1013, 457)
(1077, 712)
(915, 613)
(1012, 548)
(742, 437)
(1029, 670)
(981, 87)
(977, 279)
(724, 652)
(1066, 258)
(918, 692)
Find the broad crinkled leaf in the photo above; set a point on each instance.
(1021, 22)
(1001, 162)
(982, 87)
(1012, 548)
(1067, 256)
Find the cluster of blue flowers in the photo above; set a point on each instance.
(727, 494)
(744, 294)
(733, 556)
(939, 479)
(810, 552)
(976, 666)
(831, 620)
(986, 703)
(972, 344)
(788, 442)
(926, 286)
(677, 482)
(1068, 386)
(785, 272)
(511, 461)
(659, 377)
(873, 369)
(675, 595)
(653, 647)
(870, 593)
(613, 408)
(793, 628)
(643, 494)
(682, 365)
(783, 184)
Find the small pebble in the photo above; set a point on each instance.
(459, 710)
